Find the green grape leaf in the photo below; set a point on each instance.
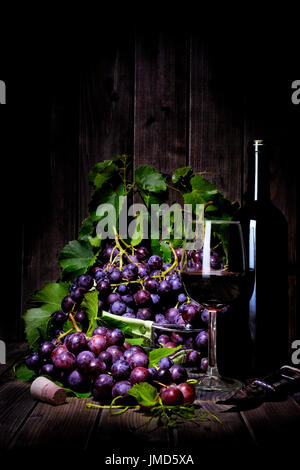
(181, 173)
(90, 304)
(148, 179)
(45, 302)
(75, 258)
(144, 393)
(102, 172)
(22, 372)
(166, 252)
(157, 354)
(136, 341)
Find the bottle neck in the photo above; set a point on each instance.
(259, 187)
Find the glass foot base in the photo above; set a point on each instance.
(217, 383)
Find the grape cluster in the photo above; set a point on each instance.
(105, 364)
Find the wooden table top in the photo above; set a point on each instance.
(30, 425)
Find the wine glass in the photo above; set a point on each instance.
(213, 272)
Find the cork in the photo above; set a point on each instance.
(45, 390)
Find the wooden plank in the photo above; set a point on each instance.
(208, 433)
(128, 430)
(62, 428)
(275, 425)
(15, 405)
(106, 107)
(50, 213)
(216, 114)
(14, 352)
(160, 134)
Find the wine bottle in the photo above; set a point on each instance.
(265, 235)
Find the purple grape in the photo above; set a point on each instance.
(115, 337)
(143, 270)
(172, 314)
(83, 360)
(193, 358)
(155, 262)
(86, 281)
(164, 287)
(140, 374)
(100, 305)
(130, 272)
(123, 289)
(121, 388)
(82, 318)
(142, 297)
(129, 315)
(118, 308)
(160, 319)
(58, 350)
(120, 370)
(116, 352)
(178, 252)
(103, 287)
(102, 387)
(155, 299)
(77, 381)
(204, 364)
(33, 361)
(205, 316)
(77, 294)
(106, 357)
(163, 376)
(177, 338)
(67, 304)
(106, 254)
(189, 313)
(48, 369)
(138, 359)
(113, 297)
(65, 361)
(129, 352)
(100, 330)
(214, 261)
(59, 317)
(46, 349)
(202, 340)
(142, 253)
(189, 343)
(76, 342)
(152, 371)
(97, 344)
(163, 339)
(182, 298)
(165, 362)
(127, 299)
(176, 284)
(144, 313)
(151, 284)
(115, 276)
(100, 274)
(96, 367)
(178, 373)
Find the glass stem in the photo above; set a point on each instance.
(212, 343)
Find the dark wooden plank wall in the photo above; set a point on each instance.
(167, 99)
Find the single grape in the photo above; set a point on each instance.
(115, 352)
(151, 284)
(76, 342)
(189, 313)
(214, 261)
(118, 308)
(102, 387)
(188, 392)
(193, 358)
(115, 336)
(130, 351)
(155, 262)
(189, 342)
(178, 373)
(152, 371)
(33, 361)
(67, 304)
(65, 361)
(121, 388)
(46, 349)
(171, 396)
(82, 318)
(160, 319)
(58, 350)
(115, 276)
(165, 362)
(96, 367)
(202, 340)
(163, 376)
(129, 315)
(48, 369)
(182, 298)
(142, 253)
(197, 256)
(178, 252)
(144, 313)
(122, 289)
(142, 297)
(103, 287)
(177, 338)
(155, 299)
(127, 299)
(164, 287)
(129, 273)
(113, 297)
(140, 374)
(86, 281)
(100, 330)
(143, 270)
(100, 274)
(180, 321)
(59, 317)
(77, 294)
(170, 344)
(97, 343)
(176, 284)
(106, 357)
(163, 339)
(83, 359)
(106, 254)
(204, 364)
(120, 370)
(138, 359)
(77, 381)
(172, 314)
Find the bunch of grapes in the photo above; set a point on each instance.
(106, 365)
